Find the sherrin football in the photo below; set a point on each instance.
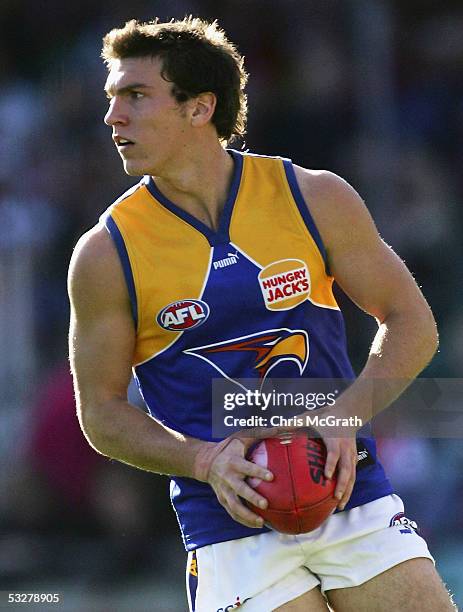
(299, 497)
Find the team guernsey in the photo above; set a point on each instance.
(252, 297)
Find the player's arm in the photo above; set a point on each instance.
(101, 346)
(378, 281)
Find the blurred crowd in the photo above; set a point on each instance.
(370, 89)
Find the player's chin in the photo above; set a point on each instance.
(133, 169)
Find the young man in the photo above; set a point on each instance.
(168, 282)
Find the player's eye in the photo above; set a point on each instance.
(135, 95)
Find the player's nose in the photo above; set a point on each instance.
(115, 114)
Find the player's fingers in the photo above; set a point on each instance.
(238, 511)
(348, 492)
(345, 498)
(248, 468)
(332, 459)
(243, 490)
(346, 479)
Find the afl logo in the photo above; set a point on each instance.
(180, 316)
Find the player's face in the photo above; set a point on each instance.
(149, 127)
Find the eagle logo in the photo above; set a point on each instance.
(255, 355)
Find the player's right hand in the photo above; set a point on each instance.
(225, 468)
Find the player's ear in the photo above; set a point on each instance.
(203, 109)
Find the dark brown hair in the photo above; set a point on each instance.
(196, 57)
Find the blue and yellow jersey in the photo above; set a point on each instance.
(251, 297)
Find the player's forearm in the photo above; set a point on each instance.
(403, 345)
(122, 431)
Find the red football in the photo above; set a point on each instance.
(299, 497)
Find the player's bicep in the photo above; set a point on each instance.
(370, 272)
(102, 333)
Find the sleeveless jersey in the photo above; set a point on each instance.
(206, 302)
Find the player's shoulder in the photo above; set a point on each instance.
(332, 201)
(96, 244)
(93, 246)
(325, 186)
(96, 281)
(94, 259)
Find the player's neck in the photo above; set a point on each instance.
(200, 183)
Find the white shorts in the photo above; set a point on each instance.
(262, 572)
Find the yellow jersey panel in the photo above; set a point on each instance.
(149, 230)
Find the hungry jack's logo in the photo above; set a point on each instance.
(255, 355)
(284, 284)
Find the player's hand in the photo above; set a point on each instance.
(341, 458)
(225, 468)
